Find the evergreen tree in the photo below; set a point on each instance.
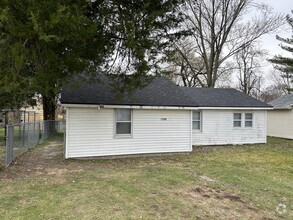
(43, 43)
(285, 64)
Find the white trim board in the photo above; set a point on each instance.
(163, 107)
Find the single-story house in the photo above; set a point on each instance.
(159, 118)
(280, 119)
(9, 116)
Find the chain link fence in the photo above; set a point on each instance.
(21, 137)
(2, 146)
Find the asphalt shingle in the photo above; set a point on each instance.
(283, 102)
(160, 92)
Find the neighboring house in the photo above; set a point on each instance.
(280, 120)
(35, 113)
(32, 113)
(9, 116)
(2, 119)
(160, 118)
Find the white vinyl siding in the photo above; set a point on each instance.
(280, 123)
(90, 132)
(218, 129)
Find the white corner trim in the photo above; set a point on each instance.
(66, 130)
(266, 125)
(190, 130)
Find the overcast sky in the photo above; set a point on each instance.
(269, 42)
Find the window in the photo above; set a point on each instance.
(248, 119)
(196, 120)
(123, 122)
(237, 120)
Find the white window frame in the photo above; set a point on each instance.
(200, 121)
(116, 121)
(248, 120)
(237, 120)
(243, 120)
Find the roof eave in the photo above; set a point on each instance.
(283, 108)
(164, 107)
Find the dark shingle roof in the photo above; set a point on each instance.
(283, 102)
(160, 92)
(218, 97)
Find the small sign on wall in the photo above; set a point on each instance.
(163, 119)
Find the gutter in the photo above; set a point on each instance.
(163, 107)
(283, 108)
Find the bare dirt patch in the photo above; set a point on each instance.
(42, 160)
(220, 204)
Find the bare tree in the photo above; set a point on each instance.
(248, 63)
(270, 93)
(281, 80)
(187, 69)
(219, 30)
(279, 86)
(224, 79)
(187, 72)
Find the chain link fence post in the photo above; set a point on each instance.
(9, 145)
(21, 137)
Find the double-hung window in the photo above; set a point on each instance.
(196, 120)
(248, 120)
(242, 120)
(123, 122)
(237, 120)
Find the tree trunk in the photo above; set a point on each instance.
(209, 77)
(49, 107)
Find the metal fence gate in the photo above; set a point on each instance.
(21, 137)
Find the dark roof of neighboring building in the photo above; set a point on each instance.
(160, 92)
(283, 102)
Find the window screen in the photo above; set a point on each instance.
(248, 119)
(196, 120)
(237, 120)
(123, 121)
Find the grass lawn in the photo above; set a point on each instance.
(231, 182)
(2, 135)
